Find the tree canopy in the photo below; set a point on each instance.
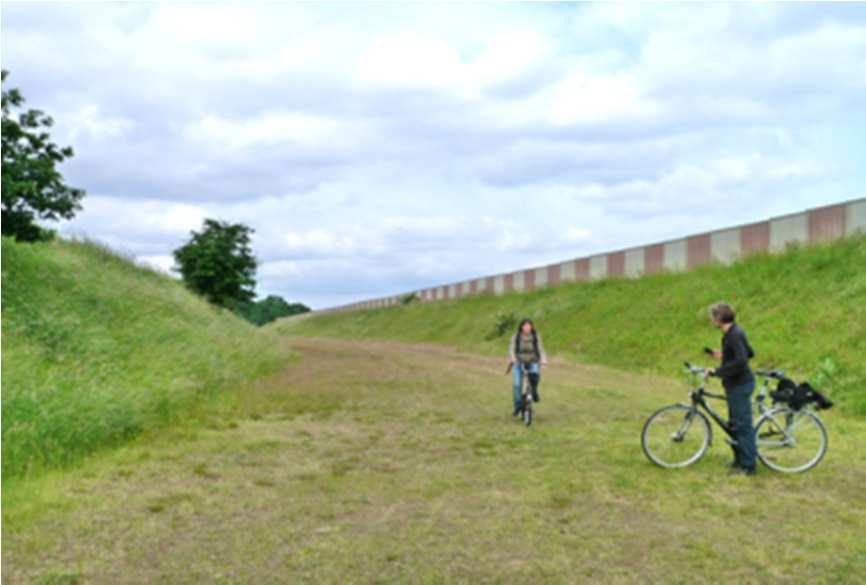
(270, 309)
(218, 263)
(32, 186)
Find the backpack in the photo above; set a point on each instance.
(797, 396)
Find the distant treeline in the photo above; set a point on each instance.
(269, 309)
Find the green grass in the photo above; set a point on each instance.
(804, 311)
(381, 462)
(97, 350)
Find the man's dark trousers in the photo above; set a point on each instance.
(740, 419)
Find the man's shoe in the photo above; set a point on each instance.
(740, 471)
(517, 412)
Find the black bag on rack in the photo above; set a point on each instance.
(799, 395)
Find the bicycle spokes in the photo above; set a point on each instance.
(675, 436)
(680, 434)
(791, 441)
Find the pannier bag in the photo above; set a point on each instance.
(799, 395)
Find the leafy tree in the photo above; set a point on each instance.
(32, 186)
(218, 263)
(269, 309)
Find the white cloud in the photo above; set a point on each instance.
(584, 98)
(137, 221)
(160, 262)
(272, 128)
(89, 122)
(411, 59)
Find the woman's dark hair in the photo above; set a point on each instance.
(524, 322)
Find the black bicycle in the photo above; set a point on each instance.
(789, 440)
(526, 398)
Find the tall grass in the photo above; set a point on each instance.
(804, 311)
(97, 350)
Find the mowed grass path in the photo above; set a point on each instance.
(377, 462)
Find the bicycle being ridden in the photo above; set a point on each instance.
(528, 392)
(527, 356)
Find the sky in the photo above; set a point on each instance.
(382, 148)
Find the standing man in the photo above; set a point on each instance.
(739, 383)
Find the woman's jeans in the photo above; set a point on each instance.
(518, 381)
(740, 420)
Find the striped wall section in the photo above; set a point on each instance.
(812, 226)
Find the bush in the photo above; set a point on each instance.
(269, 309)
(504, 322)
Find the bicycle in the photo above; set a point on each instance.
(679, 435)
(526, 411)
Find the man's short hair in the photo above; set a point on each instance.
(722, 312)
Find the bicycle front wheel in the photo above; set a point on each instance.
(527, 412)
(790, 441)
(676, 436)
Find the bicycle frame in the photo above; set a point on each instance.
(699, 401)
(699, 395)
(525, 392)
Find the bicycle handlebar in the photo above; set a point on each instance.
(694, 369)
(511, 365)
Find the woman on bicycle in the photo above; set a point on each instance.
(739, 383)
(526, 349)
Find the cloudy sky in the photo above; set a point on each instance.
(382, 148)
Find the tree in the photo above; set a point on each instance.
(32, 186)
(269, 309)
(218, 263)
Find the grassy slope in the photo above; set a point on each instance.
(801, 309)
(97, 350)
(373, 462)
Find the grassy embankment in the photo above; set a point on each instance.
(97, 350)
(805, 311)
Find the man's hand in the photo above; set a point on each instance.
(543, 362)
(709, 372)
(717, 354)
(513, 361)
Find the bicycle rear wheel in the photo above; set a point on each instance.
(676, 436)
(790, 441)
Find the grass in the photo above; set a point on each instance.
(371, 460)
(97, 350)
(804, 311)
(381, 462)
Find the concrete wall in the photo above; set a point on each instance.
(812, 226)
